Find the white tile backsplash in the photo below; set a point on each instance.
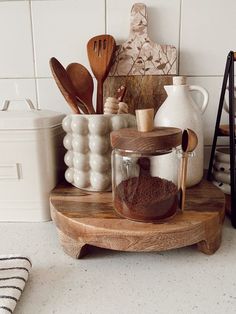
(49, 96)
(163, 20)
(16, 53)
(213, 86)
(33, 31)
(63, 28)
(207, 35)
(15, 89)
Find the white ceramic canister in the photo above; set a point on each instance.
(31, 161)
(180, 110)
(87, 141)
(221, 169)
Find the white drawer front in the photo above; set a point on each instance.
(9, 171)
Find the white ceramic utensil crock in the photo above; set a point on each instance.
(88, 156)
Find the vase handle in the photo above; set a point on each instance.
(205, 96)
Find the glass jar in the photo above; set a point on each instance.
(145, 173)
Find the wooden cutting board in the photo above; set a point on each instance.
(142, 65)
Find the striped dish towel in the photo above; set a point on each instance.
(14, 271)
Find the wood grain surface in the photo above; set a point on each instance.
(224, 130)
(88, 219)
(142, 91)
(146, 142)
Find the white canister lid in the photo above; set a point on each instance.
(28, 118)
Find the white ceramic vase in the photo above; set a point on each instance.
(180, 110)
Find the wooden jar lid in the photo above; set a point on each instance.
(146, 142)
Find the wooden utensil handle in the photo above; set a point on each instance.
(69, 98)
(74, 108)
(83, 107)
(91, 109)
(184, 163)
(71, 101)
(99, 108)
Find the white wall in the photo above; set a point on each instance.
(33, 31)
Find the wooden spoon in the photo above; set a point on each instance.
(83, 84)
(189, 143)
(64, 84)
(100, 50)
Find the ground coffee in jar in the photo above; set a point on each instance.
(138, 195)
(146, 198)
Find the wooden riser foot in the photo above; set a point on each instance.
(210, 246)
(75, 249)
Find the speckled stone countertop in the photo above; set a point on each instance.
(107, 282)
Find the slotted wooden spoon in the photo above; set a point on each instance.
(83, 84)
(100, 50)
(64, 84)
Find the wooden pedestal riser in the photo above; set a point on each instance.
(88, 219)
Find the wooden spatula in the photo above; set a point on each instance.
(100, 50)
(64, 84)
(83, 83)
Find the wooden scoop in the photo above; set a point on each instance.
(189, 143)
(83, 84)
(64, 84)
(100, 50)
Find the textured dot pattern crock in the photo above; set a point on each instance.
(88, 155)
